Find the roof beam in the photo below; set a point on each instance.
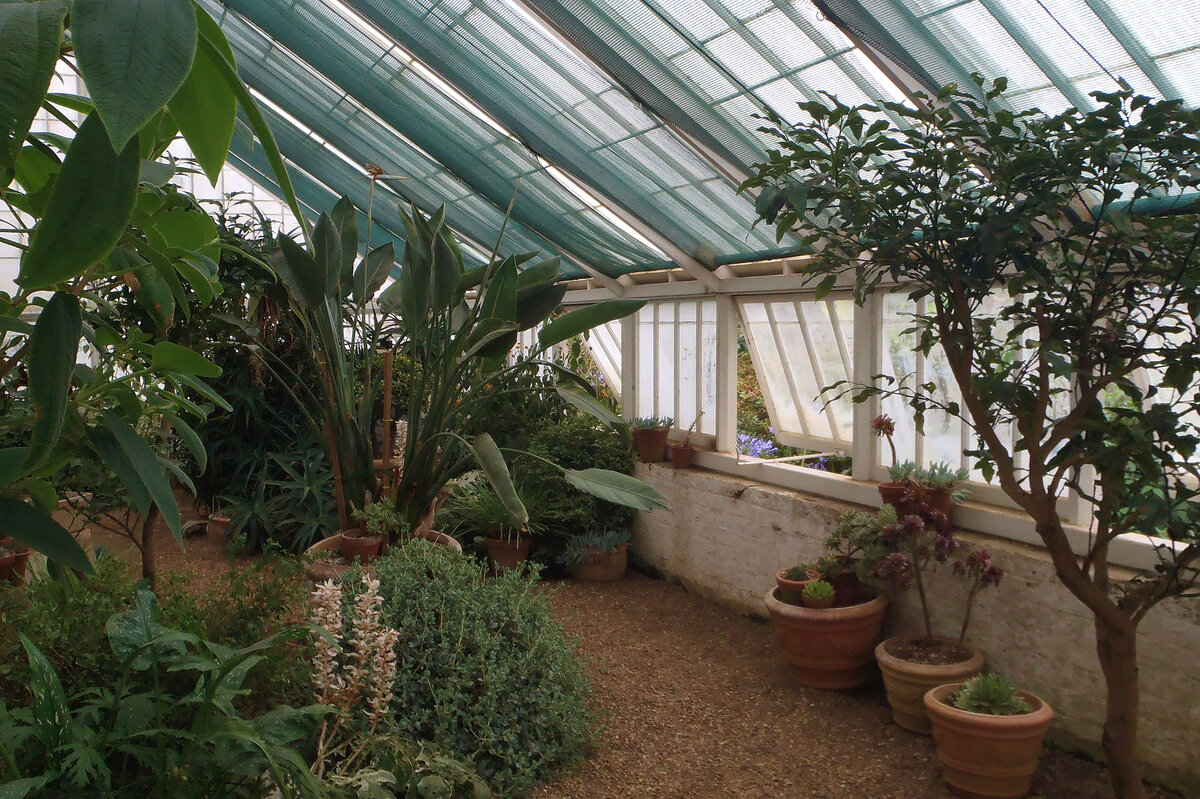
(1137, 51)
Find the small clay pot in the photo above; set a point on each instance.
(217, 525)
(817, 604)
(651, 444)
(681, 455)
(790, 591)
(356, 546)
(506, 554)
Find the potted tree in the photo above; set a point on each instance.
(913, 665)
(650, 437)
(988, 735)
(681, 453)
(832, 647)
(597, 556)
(1053, 237)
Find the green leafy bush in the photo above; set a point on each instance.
(485, 670)
(576, 442)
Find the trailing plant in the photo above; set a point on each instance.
(991, 695)
(484, 668)
(1035, 235)
(602, 541)
(159, 742)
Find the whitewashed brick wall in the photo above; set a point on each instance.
(725, 538)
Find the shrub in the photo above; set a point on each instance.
(485, 670)
(577, 442)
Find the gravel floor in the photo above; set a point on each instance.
(697, 702)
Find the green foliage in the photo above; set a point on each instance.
(990, 694)
(485, 670)
(380, 518)
(474, 508)
(179, 737)
(818, 591)
(941, 475)
(581, 547)
(653, 422)
(904, 472)
(577, 442)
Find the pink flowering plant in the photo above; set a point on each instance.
(915, 545)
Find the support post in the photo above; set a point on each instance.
(868, 360)
(726, 377)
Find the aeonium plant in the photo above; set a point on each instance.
(918, 545)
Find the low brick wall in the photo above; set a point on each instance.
(725, 538)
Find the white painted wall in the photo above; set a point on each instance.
(726, 537)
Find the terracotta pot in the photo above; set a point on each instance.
(360, 547)
(320, 571)
(681, 455)
(218, 524)
(790, 591)
(12, 567)
(987, 756)
(828, 648)
(901, 496)
(604, 567)
(505, 554)
(907, 682)
(937, 499)
(818, 604)
(651, 444)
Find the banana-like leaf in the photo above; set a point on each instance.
(30, 35)
(31, 526)
(133, 55)
(52, 350)
(591, 406)
(617, 488)
(327, 253)
(500, 296)
(204, 108)
(345, 222)
(372, 271)
(147, 471)
(175, 358)
(446, 268)
(300, 273)
(537, 277)
(496, 470)
(536, 308)
(485, 333)
(575, 322)
(414, 276)
(90, 204)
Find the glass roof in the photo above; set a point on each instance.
(629, 123)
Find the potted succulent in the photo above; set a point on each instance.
(913, 665)
(900, 489)
(791, 581)
(832, 647)
(650, 437)
(817, 595)
(597, 556)
(988, 735)
(681, 453)
(937, 487)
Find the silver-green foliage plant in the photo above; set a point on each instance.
(484, 668)
(602, 540)
(1058, 258)
(990, 694)
(121, 740)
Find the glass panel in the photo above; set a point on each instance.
(677, 362)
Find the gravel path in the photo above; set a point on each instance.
(697, 702)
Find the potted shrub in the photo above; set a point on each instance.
(988, 735)
(473, 507)
(377, 522)
(650, 437)
(597, 556)
(832, 647)
(913, 665)
(681, 453)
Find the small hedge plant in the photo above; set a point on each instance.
(484, 668)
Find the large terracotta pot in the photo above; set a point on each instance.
(907, 682)
(987, 756)
(505, 554)
(828, 648)
(217, 525)
(604, 567)
(901, 496)
(651, 444)
(320, 570)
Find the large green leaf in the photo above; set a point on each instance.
(136, 636)
(446, 270)
(133, 55)
(345, 221)
(89, 207)
(591, 406)
(29, 525)
(30, 34)
(496, 470)
(538, 277)
(106, 446)
(52, 350)
(300, 273)
(50, 716)
(205, 108)
(617, 488)
(327, 253)
(372, 271)
(191, 440)
(147, 470)
(172, 357)
(575, 322)
(535, 308)
(500, 295)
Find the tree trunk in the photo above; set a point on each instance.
(147, 547)
(1117, 649)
